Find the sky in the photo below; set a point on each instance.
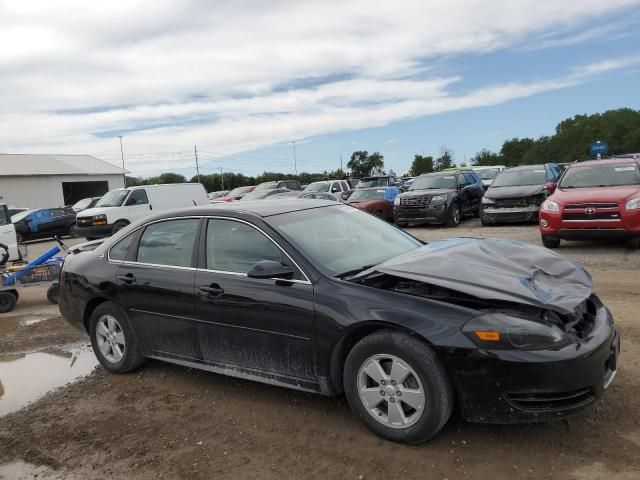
(243, 80)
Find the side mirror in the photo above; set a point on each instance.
(270, 269)
(550, 187)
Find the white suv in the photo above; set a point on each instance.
(7, 235)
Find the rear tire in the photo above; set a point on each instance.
(550, 242)
(52, 294)
(7, 301)
(113, 340)
(633, 243)
(455, 215)
(402, 365)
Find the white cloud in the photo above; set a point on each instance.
(173, 74)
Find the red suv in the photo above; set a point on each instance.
(598, 199)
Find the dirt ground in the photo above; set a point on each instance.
(170, 422)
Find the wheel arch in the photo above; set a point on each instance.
(90, 308)
(349, 340)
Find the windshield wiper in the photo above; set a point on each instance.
(355, 271)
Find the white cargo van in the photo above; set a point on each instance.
(7, 236)
(118, 208)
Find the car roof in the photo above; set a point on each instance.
(604, 161)
(445, 172)
(259, 208)
(529, 167)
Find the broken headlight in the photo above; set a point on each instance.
(500, 331)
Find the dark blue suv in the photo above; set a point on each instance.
(442, 197)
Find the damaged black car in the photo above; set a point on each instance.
(329, 299)
(517, 193)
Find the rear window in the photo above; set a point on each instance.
(601, 176)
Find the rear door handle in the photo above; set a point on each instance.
(212, 290)
(128, 278)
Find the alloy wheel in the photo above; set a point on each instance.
(391, 391)
(110, 338)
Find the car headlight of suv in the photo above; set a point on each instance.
(633, 204)
(396, 201)
(505, 332)
(439, 198)
(99, 219)
(487, 201)
(550, 206)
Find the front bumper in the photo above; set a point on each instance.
(432, 214)
(627, 226)
(509, 386)
(515, 214)
(93, 231)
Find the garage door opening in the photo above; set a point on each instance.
(75, 191)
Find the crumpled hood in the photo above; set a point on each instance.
(496, 269)
(513, 192)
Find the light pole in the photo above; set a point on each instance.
(295, 163)
(124, 174)
(222, 178)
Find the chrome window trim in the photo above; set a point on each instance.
(306, 281)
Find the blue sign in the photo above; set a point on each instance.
(599, 148)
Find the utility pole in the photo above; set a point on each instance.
(124, 174)
(222, 178)
(195, 151)
(341, 162)
(295, 162)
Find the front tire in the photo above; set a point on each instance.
(550, 242)
(8, 301)
(113, 340)
(118, 226)
(455, 214)
(52, 294)
(397, 387)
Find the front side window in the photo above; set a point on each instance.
(120, 249)
(236, 247)
(138, 197)
(4, 217)
(169, 243)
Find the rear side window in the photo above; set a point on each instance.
(235, 247)
(169, 243)
(120, 249)
(140, 197)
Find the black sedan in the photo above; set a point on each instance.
(322, 297)
(43, 223)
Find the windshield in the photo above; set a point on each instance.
(238, 191)
(82, 204)
(19, 216)
(373, 182)
(114, 198)
(601, 176)
(488, 173)
(361, 195)
(266, 186)
(317, 187)
(431, 182)
(343, 238)
(517, 178)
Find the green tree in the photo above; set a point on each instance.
(134, 181)
(362, 164)
(167, 178)
(513, 151)
(420, 165)
(485, 158)
(445, 160)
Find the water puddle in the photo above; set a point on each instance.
(32, 320)
(9, 324)
(26, 377)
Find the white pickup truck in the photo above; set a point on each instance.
(7, 236)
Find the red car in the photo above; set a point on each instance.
(235, 194)
(593, 200)
(376, 200)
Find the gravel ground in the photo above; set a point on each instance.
(165, 421)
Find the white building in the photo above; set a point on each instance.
(38, 181)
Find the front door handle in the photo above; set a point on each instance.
(212, 290)
(128, 278)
